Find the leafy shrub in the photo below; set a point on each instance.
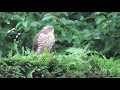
(54, 65)
(72, 29)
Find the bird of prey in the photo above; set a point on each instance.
(44, 39)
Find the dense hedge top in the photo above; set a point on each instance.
(53, 65)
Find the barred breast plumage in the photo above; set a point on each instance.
(44, 39)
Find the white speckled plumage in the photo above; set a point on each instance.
(44, 39)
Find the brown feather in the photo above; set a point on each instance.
(43, 39)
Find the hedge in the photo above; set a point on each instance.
(54, 65)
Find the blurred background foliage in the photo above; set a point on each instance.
(99, 30)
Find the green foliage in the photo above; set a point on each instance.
(87, 43)
(72, 29)
(54, 65)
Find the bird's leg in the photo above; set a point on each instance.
(39, 50)
(49, 48)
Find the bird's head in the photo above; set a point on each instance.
(47, 29)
